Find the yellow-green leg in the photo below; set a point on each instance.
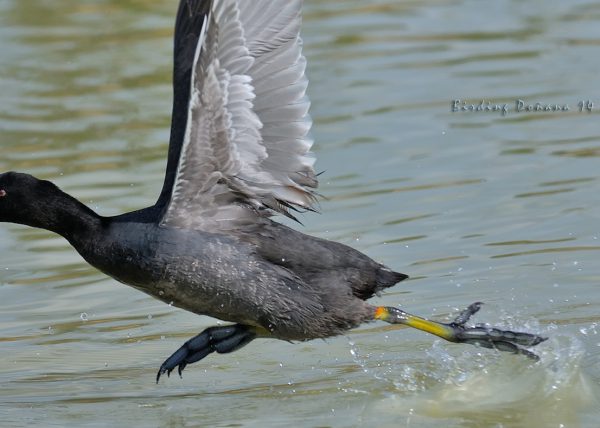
(456, 331)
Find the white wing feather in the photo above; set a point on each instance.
(246, 145)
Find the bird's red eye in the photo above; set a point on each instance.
(2, 193)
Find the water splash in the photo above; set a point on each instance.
(493, 389)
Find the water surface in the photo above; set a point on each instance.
(475, 206)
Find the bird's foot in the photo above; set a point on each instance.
(214, 339)
(457, 331)
(491, 337)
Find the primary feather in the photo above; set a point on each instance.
(245, 152)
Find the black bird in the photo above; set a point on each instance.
(238, 153)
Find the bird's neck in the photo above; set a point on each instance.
(65, 215)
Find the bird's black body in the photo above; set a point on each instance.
(223, 255)
(295, 286)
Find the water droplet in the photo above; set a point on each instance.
(171, 303)
(161, 293)
(149, 316)
(83, 316)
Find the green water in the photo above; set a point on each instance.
(473, 205)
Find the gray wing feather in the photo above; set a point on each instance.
(279, 80)
(246, 146)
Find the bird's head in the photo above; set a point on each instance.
(25, 199)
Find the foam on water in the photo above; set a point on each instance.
(491, 389)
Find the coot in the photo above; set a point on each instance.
(238, 154)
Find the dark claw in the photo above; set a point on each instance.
(173, 361)
(490, 337)
(214, 339)
(464, 316)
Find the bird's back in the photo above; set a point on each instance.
(321, 263)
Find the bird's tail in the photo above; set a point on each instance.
(387, 278)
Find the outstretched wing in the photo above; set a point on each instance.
(188, 26)
(245, 149)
